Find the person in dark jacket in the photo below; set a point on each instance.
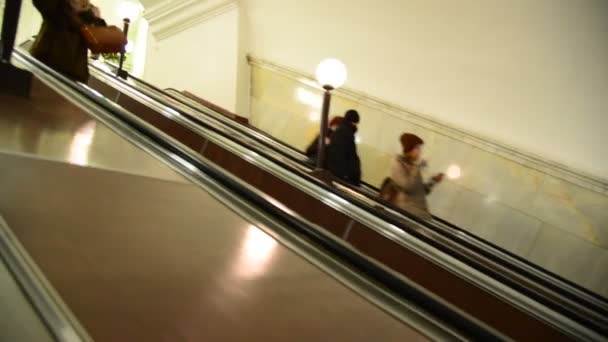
(59, 43)
(313, 148)
(342, 159)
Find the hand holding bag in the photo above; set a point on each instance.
(103, 39)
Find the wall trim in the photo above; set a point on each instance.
(170, 17)
(550, 167)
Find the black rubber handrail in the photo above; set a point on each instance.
(480, 265)
(490, 244)
(253, 128)
(387, 279)
(387, 204)
(396, 221)
(383, 203)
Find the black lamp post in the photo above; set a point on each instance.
(121, 72)
(13, 80)
(331, 74)
(323, 127)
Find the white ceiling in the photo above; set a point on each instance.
(149, 3)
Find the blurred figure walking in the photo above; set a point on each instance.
(59, 43)
(405, 187)
(342, 158)
(313, 148)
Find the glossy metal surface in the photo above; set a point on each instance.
(450, 231)
(50, 127)
(522, 302)
(461, 235)
(28, 300)
(16, 312)
(142, 259)
(382, 227)
(137, 259)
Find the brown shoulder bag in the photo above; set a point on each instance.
(104, 39)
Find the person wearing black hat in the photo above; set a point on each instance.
(405, 188)
(342, 158)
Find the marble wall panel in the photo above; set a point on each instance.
(570, 257)
(573, 209)
(461, 213)
(502, 195)
(506, 227)
(510, 183)
(598, 280)
(443, 199)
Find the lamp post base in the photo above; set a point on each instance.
(122, 74)
(14, 81)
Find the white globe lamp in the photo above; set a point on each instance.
(453, 172)
(129, 9)
(331, 73)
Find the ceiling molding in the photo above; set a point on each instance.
(169, 17)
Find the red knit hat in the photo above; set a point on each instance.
(336, 121)
(409, 141)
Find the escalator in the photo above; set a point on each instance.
(112, 255)
(381, 235)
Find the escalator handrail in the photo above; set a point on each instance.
(533, 271)
(482, 246)
(264, 137)
(167, 92)
(190, 122)
(268, 137)
(188, 161)
(45, 302)
(479, 244)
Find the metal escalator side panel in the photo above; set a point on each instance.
(52, 310)
(190, 165)
(577, 295)
(523, 304)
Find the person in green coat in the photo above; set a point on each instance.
(59, 43)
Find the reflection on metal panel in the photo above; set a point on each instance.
(81, 144)
(255, 253)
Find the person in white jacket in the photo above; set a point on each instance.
(405, 187)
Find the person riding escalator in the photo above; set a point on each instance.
(59, 44)
(405, 187)
(313, 149)
(342, 159)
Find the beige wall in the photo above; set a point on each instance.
(202, 59)
(29, 22)
(531, 74)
